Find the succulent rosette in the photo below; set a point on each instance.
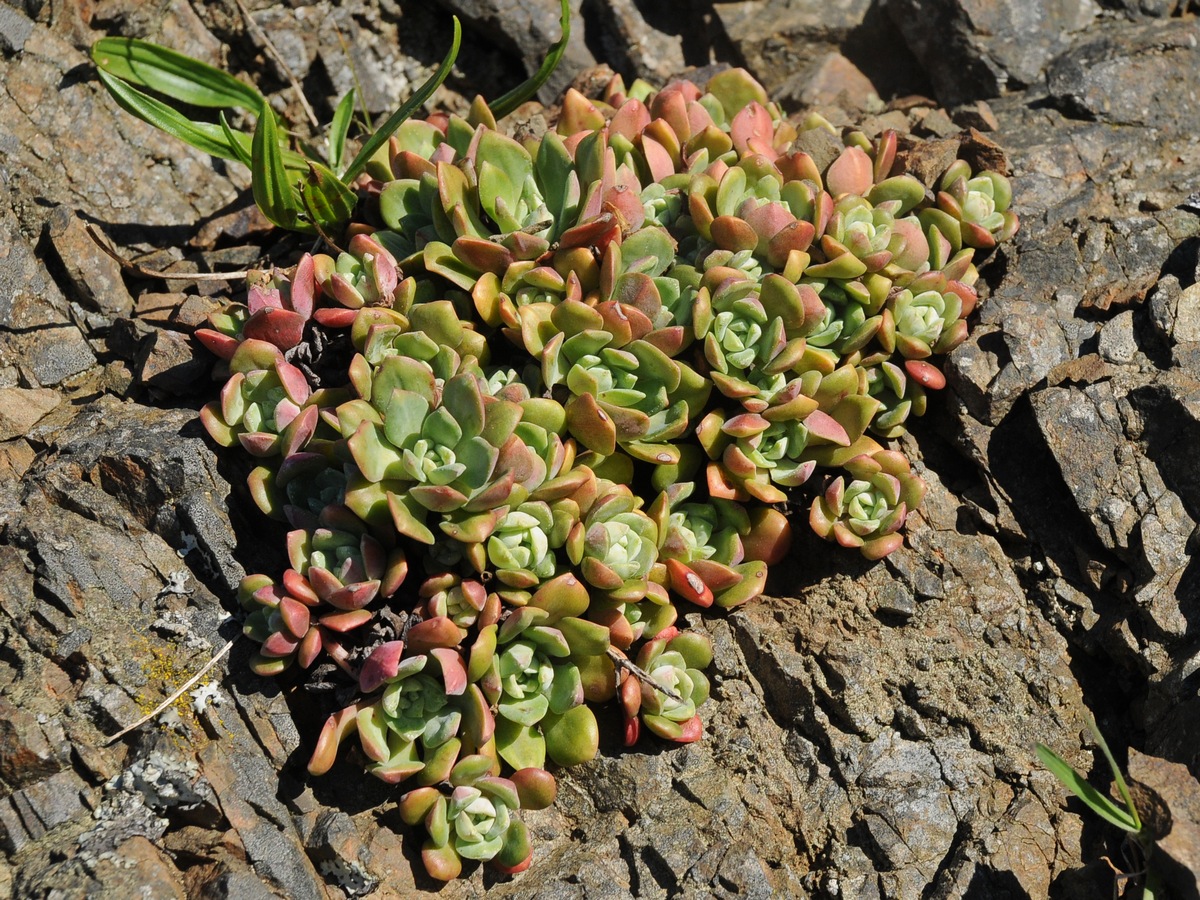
(292, 624)
(476, 819)
(973, 211)
(629, 394)
(525, 668)
(712, 552)
(276, 311)
(867, 511)
(667, 700)
(900, 390)
(616, 544)
(265, 404)
(365, 274)
(754, 334)
(303, 486)
(422, 720)
(927, 317)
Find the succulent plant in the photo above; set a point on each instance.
(926, 317)
(277, 310)
(525, 668)
(978, 205)
(476, 819)
(616, 544)
(868, 511)
(264, 405)
(591, 371)
(365, 274)
(666, 700)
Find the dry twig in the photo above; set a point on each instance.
(175, 696)
(640, 674)
(131, 266)
(278, 57)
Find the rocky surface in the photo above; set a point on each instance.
(873, 726)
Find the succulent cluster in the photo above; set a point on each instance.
(588, 374)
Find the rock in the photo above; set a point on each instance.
(29, 813)
(37, 335)
(173, 363)
(95, 276)
(15, 29)
(1168, 799)
(975, 115)
(21, 409)
(1128, 76)
(58, 124)
(975, 49)
(652, 49)
(1186, 326)
(26, 752)
(829, 79)
(1117, 342)
(781, 41)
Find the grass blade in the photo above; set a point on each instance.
(173, 74)
(207, 138)
(328, 201)
(380, 137)
(506, 103)
(1075, 782)
(269, 177)
(338, 129)
(1122, 787)
(241, 148)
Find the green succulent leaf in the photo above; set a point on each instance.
(396, 119)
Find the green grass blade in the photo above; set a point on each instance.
(1075, 783)
(506, 103)
(207, 138)
(240, 148)
(328, 201)
(385, 131)
(338, 129)
(1122, 787)
(173, 74)
(269, 177)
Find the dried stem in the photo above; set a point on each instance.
(640, 674)
(278, 57)
(362, 97)
(175, 696)
(129, 265)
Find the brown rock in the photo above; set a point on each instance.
(830, 80)
(95, 276)
(145, 865)
(158, 309)
(1172, 813)
(925, 160)
(172, 362)
(21, 409)
(26, 755)
(15, 459)
(975, 115)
